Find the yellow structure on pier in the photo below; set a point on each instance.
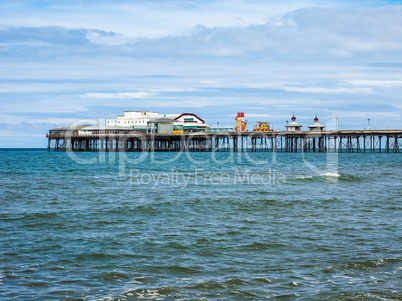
(262, 126)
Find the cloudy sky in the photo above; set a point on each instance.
(63, 61)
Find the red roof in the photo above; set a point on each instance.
(191, 115)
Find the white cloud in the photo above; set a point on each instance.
(6, 133)
(48, 105)
(375, 83)
(359, 114)
(27, 119)
(173, 90)
(149, 19)
(119, 95)
(259, 115)
(327, 90)
(308, 34)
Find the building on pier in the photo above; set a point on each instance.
(140, 120)
(190, 122)
(108, 130)
(293, 126)
(160, 126)
(133, 119)
(67, 131)
(316, 126)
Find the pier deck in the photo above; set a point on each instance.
(278, 141)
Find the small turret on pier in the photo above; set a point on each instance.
(316, 126)
(293, 126)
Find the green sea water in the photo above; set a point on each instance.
(200, 226)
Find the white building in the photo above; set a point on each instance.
(135, 119)
(293, 126)
(316, 126)
(138, 120)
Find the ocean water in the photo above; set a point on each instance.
(200, 226)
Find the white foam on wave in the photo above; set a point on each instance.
(327, 174)
(304, 177)
(331, 174)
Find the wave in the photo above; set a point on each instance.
(256, 246)
(351, 178)
(149, 294)
(210, 285)
(329, 176)
(262, 280)
(371, 264)
(40, 215)
(96, 256)
(114, 275)
(236, 282)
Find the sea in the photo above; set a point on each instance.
(200, 226)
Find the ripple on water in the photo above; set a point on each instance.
(372, 264)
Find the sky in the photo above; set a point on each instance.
(68, 62)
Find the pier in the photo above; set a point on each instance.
(353, 141)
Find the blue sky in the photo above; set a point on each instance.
(63, 61)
